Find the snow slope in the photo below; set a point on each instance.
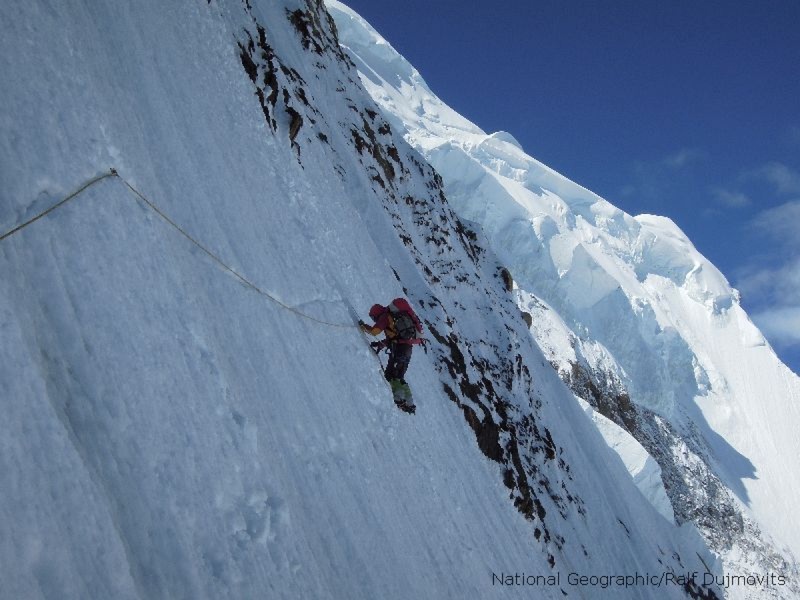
(170, 432)
(640, 311)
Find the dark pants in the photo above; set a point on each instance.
(399, 357)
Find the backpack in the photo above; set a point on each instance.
(405, 321)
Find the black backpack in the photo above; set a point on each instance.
(404, 324)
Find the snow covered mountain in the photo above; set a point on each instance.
(190, 412)
(635, 320)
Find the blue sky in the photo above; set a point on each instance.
(685, 109)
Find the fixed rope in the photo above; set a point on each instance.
(113, 173)
(88, 184)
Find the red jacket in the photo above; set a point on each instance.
(382, 324)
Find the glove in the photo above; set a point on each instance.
(376, 346)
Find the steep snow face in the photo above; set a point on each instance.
(675, 340)
(169, 432)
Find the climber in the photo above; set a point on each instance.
(401, 327)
